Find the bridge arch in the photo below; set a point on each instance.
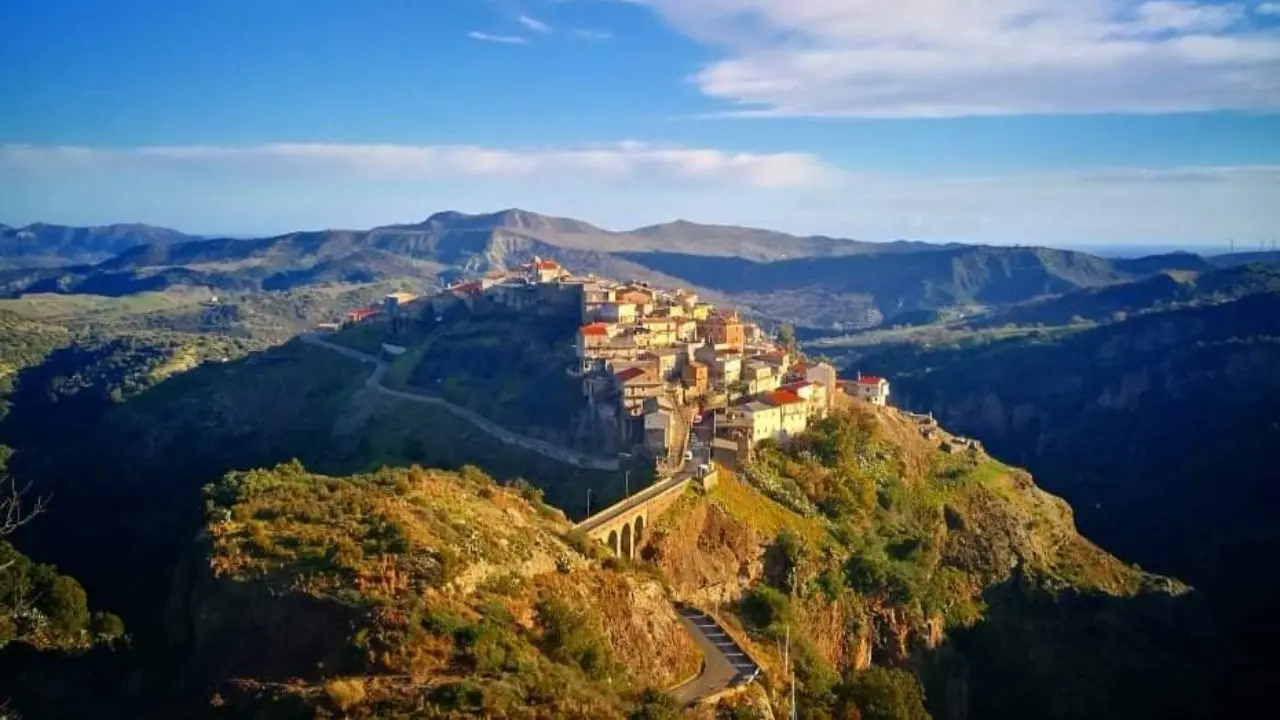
(613, 541)
(639, 534)
(626, 541)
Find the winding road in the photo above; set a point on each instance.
(542, 447)
(724, 663)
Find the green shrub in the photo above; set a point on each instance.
(764, 606)
(65, 604)
(568, 638)
(655, 705)
(784, 558)
(885, 694)
(107, 625)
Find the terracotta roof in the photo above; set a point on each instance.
(792, 387)
(869, 380)
(468, 288)
(783, 397)
(362, 313)
(548, 265)
(631, 374)
(595, 329)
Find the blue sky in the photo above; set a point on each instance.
(1095, 121)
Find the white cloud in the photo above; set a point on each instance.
(503, 39)
(870, 58)
(533, 24)
(592, 34)
(617, 161)
(1268, 8)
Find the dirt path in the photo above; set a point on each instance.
(542, 447)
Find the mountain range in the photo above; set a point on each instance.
(815, 282)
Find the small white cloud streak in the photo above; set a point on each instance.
(533, 24)
(285, 186)
(592, 34)
(501, 39)
(943, 58)
(617, 161)
(1268, 8)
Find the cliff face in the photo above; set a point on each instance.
(423, 590)
(874, 548)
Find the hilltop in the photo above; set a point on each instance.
(420, 590)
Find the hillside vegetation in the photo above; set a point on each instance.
(878, 550)
(866, 290)
(1159, 428)
(412, 592)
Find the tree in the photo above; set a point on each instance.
(885, 694)
(12, 513)
(787, 336)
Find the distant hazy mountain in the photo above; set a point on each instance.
(1162, 291)
(1152, 264)
(815, 282)
(1243, 258)
(40, 244)
(816, 292)
(448, 240)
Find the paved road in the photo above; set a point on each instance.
(542, 447)
(724, 663)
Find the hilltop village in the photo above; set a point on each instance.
(680, 376)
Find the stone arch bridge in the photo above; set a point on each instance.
(622, 526)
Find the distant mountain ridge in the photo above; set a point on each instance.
(42, 244)
(817, 282)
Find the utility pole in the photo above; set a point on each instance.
(789, 672)
(626, 483)
(588, 502)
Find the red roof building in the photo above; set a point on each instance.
(594, 330)
(474, 288)
(782, 397)
(362, 314)
(869, 380)
(630, 374)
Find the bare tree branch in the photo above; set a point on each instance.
(12, 514)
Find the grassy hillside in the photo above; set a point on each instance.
(437, 593)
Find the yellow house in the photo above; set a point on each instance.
(623, 313)
(793, 412)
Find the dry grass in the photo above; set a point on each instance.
(768, 517)
(345, 693)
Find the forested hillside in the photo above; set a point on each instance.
(1160, 430)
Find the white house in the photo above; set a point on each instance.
(874, 390)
